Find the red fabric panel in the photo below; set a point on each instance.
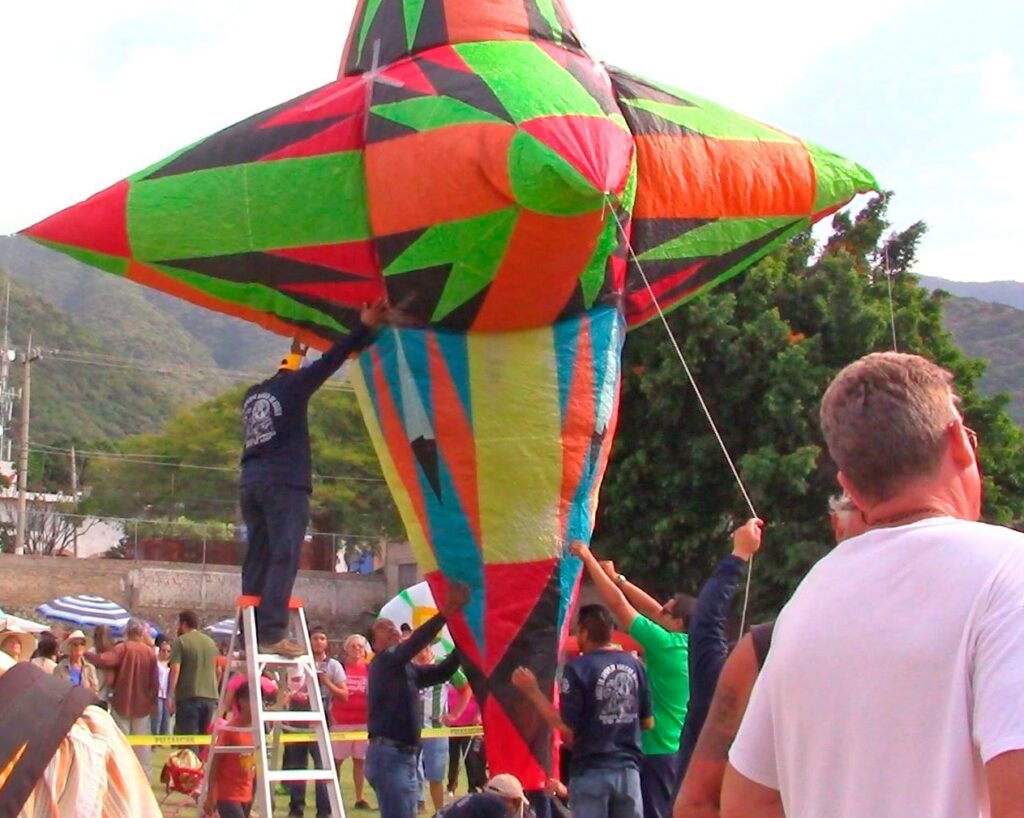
(98, 224)
(347, 135)
(598, 148)
(578, 425)
(507, 752)
(520, 584)
(355, 257)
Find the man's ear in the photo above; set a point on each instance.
(855, 494)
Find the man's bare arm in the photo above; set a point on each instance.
(743, 798)
(700, 794)
(526, 683)
(1005, 774)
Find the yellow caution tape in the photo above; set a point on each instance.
(298, 738)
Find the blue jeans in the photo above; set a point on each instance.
(606, 794)
(434, 758)
(658, 776)
(192, 716)
(275, 519)
(296, 757)
(392, 774)
(160, 724)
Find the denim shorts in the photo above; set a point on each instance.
(434, 758)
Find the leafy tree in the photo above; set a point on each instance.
(763, 348)
(191, 469)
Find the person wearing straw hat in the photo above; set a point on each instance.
(16, 643)
(74, 666)
(501, 797)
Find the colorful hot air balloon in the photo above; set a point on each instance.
(475, 165)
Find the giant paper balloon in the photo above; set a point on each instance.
(475, 165)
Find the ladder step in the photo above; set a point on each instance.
(277, 659)
(303, 716)
(300, 775)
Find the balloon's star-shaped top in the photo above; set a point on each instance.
(474, 164)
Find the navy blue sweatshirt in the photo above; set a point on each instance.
(709, 648)
(274, 417)
(394, 710)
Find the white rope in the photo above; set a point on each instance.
(700, 399)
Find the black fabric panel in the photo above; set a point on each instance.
(381, 129)
(463, 316)
(260, 268)
(391, 247)
(425, 450)
(630, 86)
(416, 293)
(245, 142)
(467, 88)
(433, 29)
(650, 233)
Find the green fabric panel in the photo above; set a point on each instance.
(712, 120)
(431, 113)
(547, 10)
(259, 206)
(543, 181)
(369, 12)
(474, 247)
(109, 264)
(836, 179)
(258, 297)
(527, 81)
(480, 255)
(413, 11)
(740, 266)
(716, 238)
(592, 278)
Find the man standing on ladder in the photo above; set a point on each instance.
(277, 477)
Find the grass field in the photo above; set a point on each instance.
(179, 806)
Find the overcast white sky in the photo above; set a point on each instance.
(928, 94)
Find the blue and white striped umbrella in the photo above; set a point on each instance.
(86, 611)
(222, 629)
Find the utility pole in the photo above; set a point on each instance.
(19, 535)
(74, 499)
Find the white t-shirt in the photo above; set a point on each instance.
(895, 673)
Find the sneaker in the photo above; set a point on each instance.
(361, 805)
(288, 648)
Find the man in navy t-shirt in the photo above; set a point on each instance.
(605, 704)
(277, 477)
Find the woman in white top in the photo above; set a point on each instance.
(46, 653)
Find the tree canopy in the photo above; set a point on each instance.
(763, 348)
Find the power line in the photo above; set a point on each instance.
(147, 460)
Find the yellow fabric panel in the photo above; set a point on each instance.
(517, 426)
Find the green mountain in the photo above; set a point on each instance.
(1010, 293)
(197, 353)
(994, 333)
(72, 400)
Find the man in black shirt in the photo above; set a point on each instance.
(605, 703)
(394, 711)
(277, 478)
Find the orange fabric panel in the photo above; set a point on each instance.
(477, 21)
(578, 425)
(689, 177)
(450, 174)
(542, 265)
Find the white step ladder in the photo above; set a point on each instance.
(253, 665)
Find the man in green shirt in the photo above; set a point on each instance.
(192, 684)
(661, 632)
